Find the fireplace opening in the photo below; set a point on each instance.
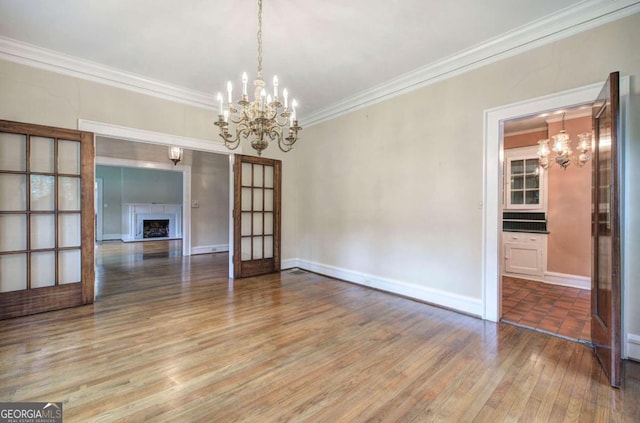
(155, 228)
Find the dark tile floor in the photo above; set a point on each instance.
(550, 308)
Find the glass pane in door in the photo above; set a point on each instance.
(13, 152)
(68, 193)
(245, 224)
(246, 174)
(604, 264)
(69, 230)
(532, 197)
(13, 272)
(258, 199)
(257, 223)
(257, 247)
(42, 193)
(69, 157)
(268, 176)
(531, 166)
(517, 167)
(258, 175)
(517, 197)
(245, 199)
(13, 232)
(69, 270)
(43, 269)
(12, 192)
(517, 182)
(268, 200)
(268, 247)
(245, 248)
(42, 155)
(43, 231)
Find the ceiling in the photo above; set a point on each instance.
(323, 51)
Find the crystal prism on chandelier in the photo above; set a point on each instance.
(562, 148)
(262, 120)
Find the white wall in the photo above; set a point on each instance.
(210, 189)
(122, 185)
(151, 186)
(390, 195)
(112, 201)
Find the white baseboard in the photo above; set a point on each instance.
(633, 346)
(449, 300)
(289, 264)
(111, 237)
(564, 279)
(207, 249)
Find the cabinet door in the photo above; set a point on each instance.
(524, 180)
(523, 258)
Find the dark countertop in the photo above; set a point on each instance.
(527, 231)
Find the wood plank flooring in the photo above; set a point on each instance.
(172, 339)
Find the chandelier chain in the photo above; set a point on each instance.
(260, 38)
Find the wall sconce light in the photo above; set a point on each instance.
(175, 154)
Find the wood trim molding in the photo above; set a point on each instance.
(88, 216)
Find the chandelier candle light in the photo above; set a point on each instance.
(262, 120)
(562, 148)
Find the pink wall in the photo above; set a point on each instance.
(523, 140)
(569, 209)
(568, 204)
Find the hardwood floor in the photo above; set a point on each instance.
(174, 340)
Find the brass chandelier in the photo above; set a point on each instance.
(262, 120)
(562, 148)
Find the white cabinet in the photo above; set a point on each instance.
(524, 253)
(525, 182)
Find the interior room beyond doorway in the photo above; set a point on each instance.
(546, 218)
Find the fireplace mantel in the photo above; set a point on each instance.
(134, 214)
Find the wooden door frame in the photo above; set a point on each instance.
(492, 175)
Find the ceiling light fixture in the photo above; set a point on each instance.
(262, 120)
(562, 148)
(175, 154)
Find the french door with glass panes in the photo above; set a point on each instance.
(256, 216)
(46, 218)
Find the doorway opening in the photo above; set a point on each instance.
(545, 231)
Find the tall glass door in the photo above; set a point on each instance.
(46, 212)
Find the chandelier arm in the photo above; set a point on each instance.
(284, 146)
(231, 145)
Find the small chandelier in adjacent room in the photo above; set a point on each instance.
(262, 120)
(175, 154)
(562, 148)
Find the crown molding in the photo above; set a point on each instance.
(571, 116)
(573, 20)
(526, 131)
(565, 23)
(38, 57)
